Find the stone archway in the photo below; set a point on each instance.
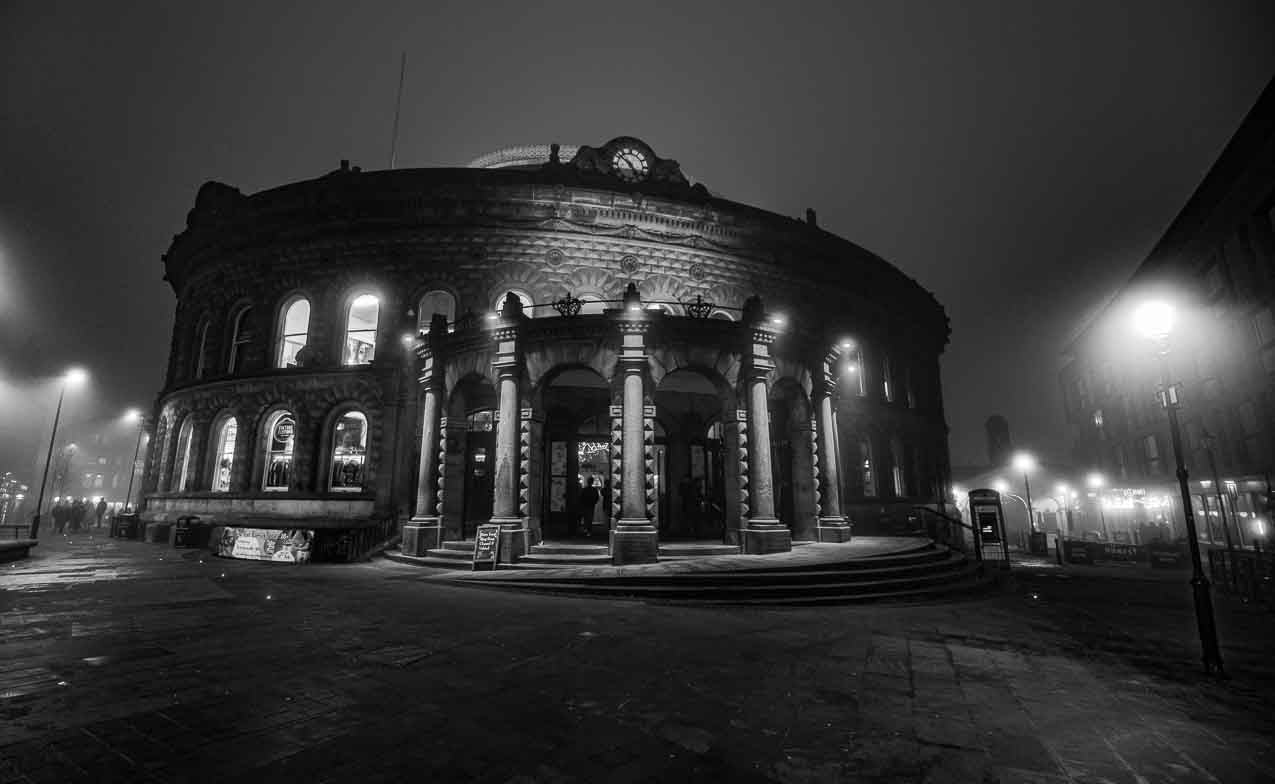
(575, 453)
(469, 457)
(695, 476)
(792, 460)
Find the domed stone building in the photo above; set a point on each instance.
(425, 350)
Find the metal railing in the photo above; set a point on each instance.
(950, 531)
(1248, 574)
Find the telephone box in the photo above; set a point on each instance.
(988, 518)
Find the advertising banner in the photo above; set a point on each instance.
(283, 545)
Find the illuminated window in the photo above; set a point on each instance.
(201, 350)
(867, 476)
(294, 331)
(238, 338)
(1263, 326)
(349, 452)
(360, 330)
(437, 301)
(896, 467)
(1151, 454)
(281, 431)
(183, 455)
(522, 296)
(224, 454)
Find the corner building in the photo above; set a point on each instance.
(426, 350)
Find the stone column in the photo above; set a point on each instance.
(833, 526)
(634, 538)
(424, 532)
(763, 532)
(505, 506)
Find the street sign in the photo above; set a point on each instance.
(486, 547)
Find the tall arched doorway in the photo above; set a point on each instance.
(689, 469)
(577, 443)
(470, 457)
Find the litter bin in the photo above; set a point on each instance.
(126, 526)
(189, 532)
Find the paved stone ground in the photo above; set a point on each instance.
(130, 662)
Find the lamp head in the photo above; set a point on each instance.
(1095, 480)
(1024, 462)
(133, 415)
(1155, 319)
(76, 376)
(1000, 486)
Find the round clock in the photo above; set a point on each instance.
(630, 164)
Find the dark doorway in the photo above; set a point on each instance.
(690, 490)
(577, 451)
(480, 459)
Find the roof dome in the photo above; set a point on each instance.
(521, 156)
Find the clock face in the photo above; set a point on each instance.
(630, 164)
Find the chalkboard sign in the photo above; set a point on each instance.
(486, 546)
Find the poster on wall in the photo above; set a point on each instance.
(282, 545)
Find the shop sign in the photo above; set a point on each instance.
(486, 547)
(282, 545)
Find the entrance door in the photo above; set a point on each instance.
(480, 471)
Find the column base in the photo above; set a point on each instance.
(833, 529)
(421, 534)
(513, 538)
(634, 542)
(765, 536)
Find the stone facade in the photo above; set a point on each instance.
(730, 363)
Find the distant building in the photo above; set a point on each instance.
(459, 346)
(1217, 261)
(999, 444)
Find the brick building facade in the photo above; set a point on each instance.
(460, 345)
(1216, 261)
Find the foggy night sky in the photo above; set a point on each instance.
(1017, 159)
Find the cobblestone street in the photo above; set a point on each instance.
(132, 662)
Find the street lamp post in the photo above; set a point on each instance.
(1025, 463)
(1155, 319)
(133, 413)
(73, 376)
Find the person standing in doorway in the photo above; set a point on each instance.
(588, 500)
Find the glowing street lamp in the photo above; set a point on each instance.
(1155, 320)
(73, 377)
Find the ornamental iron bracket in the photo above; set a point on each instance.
(699, 308)
(568, 305)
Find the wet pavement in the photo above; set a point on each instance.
(127, 661)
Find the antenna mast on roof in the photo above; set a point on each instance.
(398, 103)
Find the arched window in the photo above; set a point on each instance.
(897, 464)
(867, 468)
(183, 465)
(238, 339)
(887, 387)
(281, 430)
(360, 330)
(224, 454)
(522, 296)
(201, 349)
(437, 301)
(293, 332)
(349, 452)
(722, 315)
